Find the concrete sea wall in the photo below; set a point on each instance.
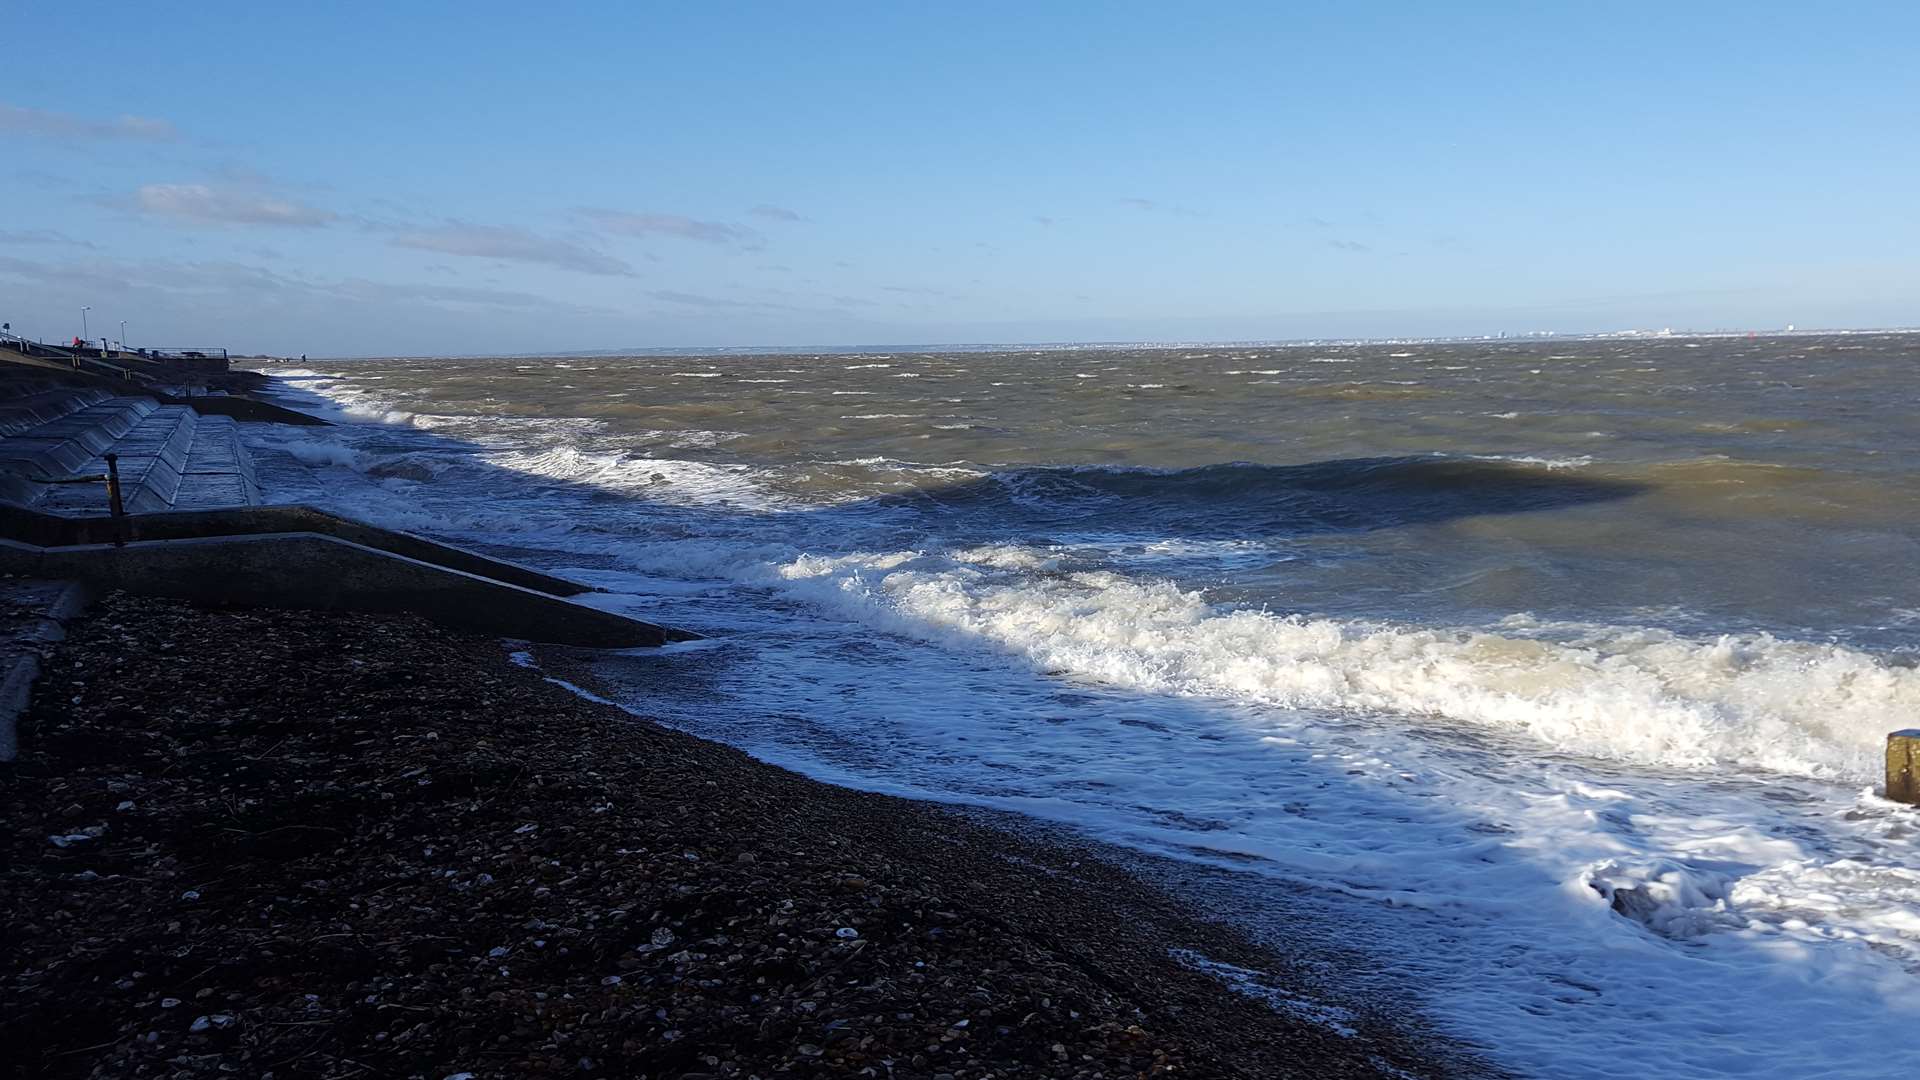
(310, 570)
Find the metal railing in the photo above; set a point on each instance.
(184, 353)
(86, 358)
(29, 347)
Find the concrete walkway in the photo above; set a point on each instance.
(33, 616)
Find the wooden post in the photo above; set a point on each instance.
(115, 507)
(1903, 766)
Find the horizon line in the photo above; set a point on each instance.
(1530, 336)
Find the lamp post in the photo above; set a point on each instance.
(83, 323)
(123, 334)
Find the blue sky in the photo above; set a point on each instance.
(360, 179)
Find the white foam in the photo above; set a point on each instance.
(1261, 988)
(1579, 462)
(1633, 694)
(322, 452)
(1544, 871)
(694, 483)
(691, 440)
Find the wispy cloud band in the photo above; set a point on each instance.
(512, 244)
(20, 120)
(207, 205)
(624, 223)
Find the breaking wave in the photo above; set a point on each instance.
(1633, 694)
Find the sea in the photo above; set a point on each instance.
(1554, 674)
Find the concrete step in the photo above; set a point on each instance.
(23, 414)
(168, 455)
(219, 470)
(152, 457)
(63, 447)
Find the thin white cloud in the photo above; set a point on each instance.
(257, 287)
(41, 236)
(203, 204)
(776, 213)
(1151, 206)
(511, 244)
(623, 223)
(288, 310)
(807, 303)
(20, 120)
(697, 300)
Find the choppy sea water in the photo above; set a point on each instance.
(1561, 669)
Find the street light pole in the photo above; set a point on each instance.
(123, 333)
(84, 336)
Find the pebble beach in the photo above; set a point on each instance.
(300, 844)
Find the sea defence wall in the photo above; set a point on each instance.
(165, 455)
(192, 526)
(241, 408)
(117, 380)
(311, 570)
(54, 530)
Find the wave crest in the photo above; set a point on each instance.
(1634, 694)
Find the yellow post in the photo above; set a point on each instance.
(1903, 766)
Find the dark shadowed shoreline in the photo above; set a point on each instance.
(304, 844)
